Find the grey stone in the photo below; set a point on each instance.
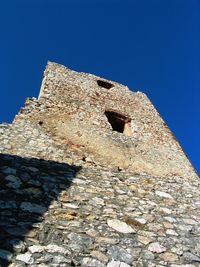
(96, 201)
(51, 248)
(17, 264)
(130, 242)
(26, 257)
(99, 255)
(120, 254)
(117, 264)
(156, 247)
(163, 194)
(17, 231)
(59, 259)
(79, 242)
(9, 170)
(34, 182)
(147, 255)
(36, 249)
(5, 254)
(31, 207)
(90, 262)
(191, 257)
(18, 245)
(44, 258)
(25, 177)
(171, 232)
(14, 181)
(8, 204)
(189, 221)
(70, 205)
(120, 226)
(79, 181)
(33, 169)
(182, 265)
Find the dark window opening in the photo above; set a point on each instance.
(105, 84)
(119, 122)
(40, 123)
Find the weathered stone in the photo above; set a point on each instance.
(133, 187)
(14, 182)
(130, 242)
(141, 220)
(169, 257)
(65, 215)
(99, 255)
(120, 226)
(60, 260)
(168, 225)
(163, 194)
(117, 264)
(70, 205)
(189, 221)
(51, 248)
(97, 201)
(79, 242)
(156, 247)
(182, 265)
(26, 257)
(107, 240)
(120, 254)
(30, 207)
(166, 210)
(91, 262)
(170, 219)
(36, 248)
(19, 264)
(191, 257)
(147, 255)
(171, 232)
(144, 240)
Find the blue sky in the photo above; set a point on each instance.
(149, 45)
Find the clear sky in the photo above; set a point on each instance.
(149, 45)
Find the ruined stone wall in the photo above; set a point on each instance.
(94, 211)
(70, 116)
(27, 140)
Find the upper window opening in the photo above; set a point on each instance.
(119, 122)
(105, 84)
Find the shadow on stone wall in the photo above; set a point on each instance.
(27, 188)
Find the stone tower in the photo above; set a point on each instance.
(98, 119)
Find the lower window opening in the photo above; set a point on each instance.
(119, 122)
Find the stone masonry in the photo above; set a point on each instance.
(88, 115)
(91, 176)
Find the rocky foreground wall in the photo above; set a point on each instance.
(54, 214)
